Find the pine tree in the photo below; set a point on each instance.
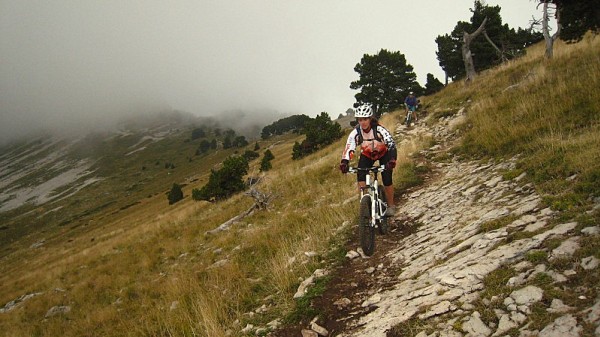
(385, 80)
(224, 182)
(433, 85)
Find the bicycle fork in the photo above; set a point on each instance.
(377, 206)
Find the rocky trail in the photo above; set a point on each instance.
(459, 261)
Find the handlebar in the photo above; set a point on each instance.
(367, 169)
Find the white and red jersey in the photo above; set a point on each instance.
(377, 134)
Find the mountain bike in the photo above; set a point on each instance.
(372, 209)
(409, 117)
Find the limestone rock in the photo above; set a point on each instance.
(319, 329)
(309, 333)
(589, 263)
(591, 231)
(565, 326)
(371, 301)
(527, 295)
(303, 287)
(475, 326)
(57, 310)
(558, 306)
(438, 309)
(566, 249)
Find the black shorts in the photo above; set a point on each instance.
(364, 162)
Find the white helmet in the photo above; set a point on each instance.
(364, 110)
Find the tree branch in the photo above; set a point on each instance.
(487, 37)
(469, 37)
(261, 201)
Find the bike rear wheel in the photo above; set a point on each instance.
(366, 232)
(383, 223)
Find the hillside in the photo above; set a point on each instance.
(496, 233)
(502, 237)
(58, 183)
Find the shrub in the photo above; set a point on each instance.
(265, 164)
(320, 131)
(175, 194)
(224, 182)
(249, 155)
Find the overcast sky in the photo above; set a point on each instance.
(81, 63)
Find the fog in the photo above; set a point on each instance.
(81, 65)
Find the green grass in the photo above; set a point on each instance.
(495, 287)
(410, 327)
(536, 256)
(303, 310)
(409, 175)
(552, 119)
(497, 223)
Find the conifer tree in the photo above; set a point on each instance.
(175, 194)
(385, 80)
(265, 163)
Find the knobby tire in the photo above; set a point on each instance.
(383, 224)
(366, 232)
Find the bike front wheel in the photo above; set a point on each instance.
(383, 223)
(408, 118)
(366, 232)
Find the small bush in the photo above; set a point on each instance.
(536, 256)
(249, 155)
(224, 182)
(175, 194)
(265, 163)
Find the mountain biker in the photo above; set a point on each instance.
(376, 143)
(411, 104)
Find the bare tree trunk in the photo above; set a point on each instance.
(546, 31)
(261, 201)
(466, 51)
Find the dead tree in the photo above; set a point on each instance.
(546, 30)
(261, 201)
(466, 51)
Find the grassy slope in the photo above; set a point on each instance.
(122, 277)
(547, 111)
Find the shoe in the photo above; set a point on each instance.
(390, 211)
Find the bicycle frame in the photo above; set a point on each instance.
(409, 117)
(377, 205)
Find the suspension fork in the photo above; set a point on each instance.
(374, 202)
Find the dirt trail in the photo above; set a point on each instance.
(427, 277)
(354, 280)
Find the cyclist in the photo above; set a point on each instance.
(411, 104)
(376, 143)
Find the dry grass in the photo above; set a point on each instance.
(546, 109)
(123, 277)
